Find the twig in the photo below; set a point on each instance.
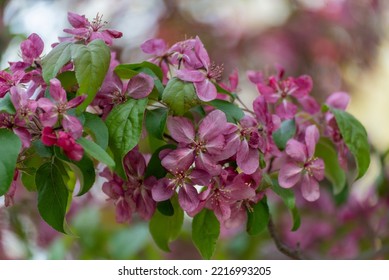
(281, 246)
(245, 108)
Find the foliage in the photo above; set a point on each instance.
(213, 159)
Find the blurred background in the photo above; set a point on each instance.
(342, 44)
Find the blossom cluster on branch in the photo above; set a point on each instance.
(173, 138)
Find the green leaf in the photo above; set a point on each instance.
(127, 71)
(223, 91)
(10, 146)
(41, 149)
(68, 81)
(52, 196)
(55, 60)
(156, 121)
(180, 96)
(165, 229)
(333, 171)
(95, 151)
(288, 198)
(205, 232)
(165, 208)
(91, 65)
(125, 127)
(31, 164)
(258, 218)
(6, 105)
(284, 133)
(155, 168)
(95, 127)
(233, 112)
(84, 169)
(355, 137)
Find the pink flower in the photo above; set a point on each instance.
(133, 195)
(89, 31)
(203, 76)
(52, 111)
(49, 138)
(337, 100)
(31, 50)
(115, 190)
(205, 148)
(183, 180)
(302, 167)
(155, 47)
(279, 91)
(25, 107)
(139, 188)
(253, 136)
(223, 192)
(72, 150)
(8, 80)
(114, 91)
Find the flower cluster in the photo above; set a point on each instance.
(78, 106)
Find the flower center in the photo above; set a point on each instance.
(118, 97)
(97, 23)
(199, 146)
(61, 108)
(215, 72)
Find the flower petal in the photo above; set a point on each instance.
(190, 75)
(140, 86)
(296, 150)
(206, 162)
(56, 91)
(206, 90)
(134, 164)
(77, 20)
(214, 124)
(46, 104)
(311, 139)
(338, 100)
(286, 110)
(123, 211)
(188, 198)
(317, 168)
(247, 158)
(310, 188)
(178, 160)
(289, 175)
(49, 118)
(154, 46)
(181, 129)
(304, 86)
(72, 125)
(162, 190)
(75, 101)
(201, 53)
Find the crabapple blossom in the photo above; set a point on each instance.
(88, 31)
(203, 76)
(54, 111)
(302, 167)
(276, 90)
(133, 194)
(204, 147)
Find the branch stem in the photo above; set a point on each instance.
(281, 246)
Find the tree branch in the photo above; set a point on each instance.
(294, 254)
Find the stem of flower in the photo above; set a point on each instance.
(244, 105)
